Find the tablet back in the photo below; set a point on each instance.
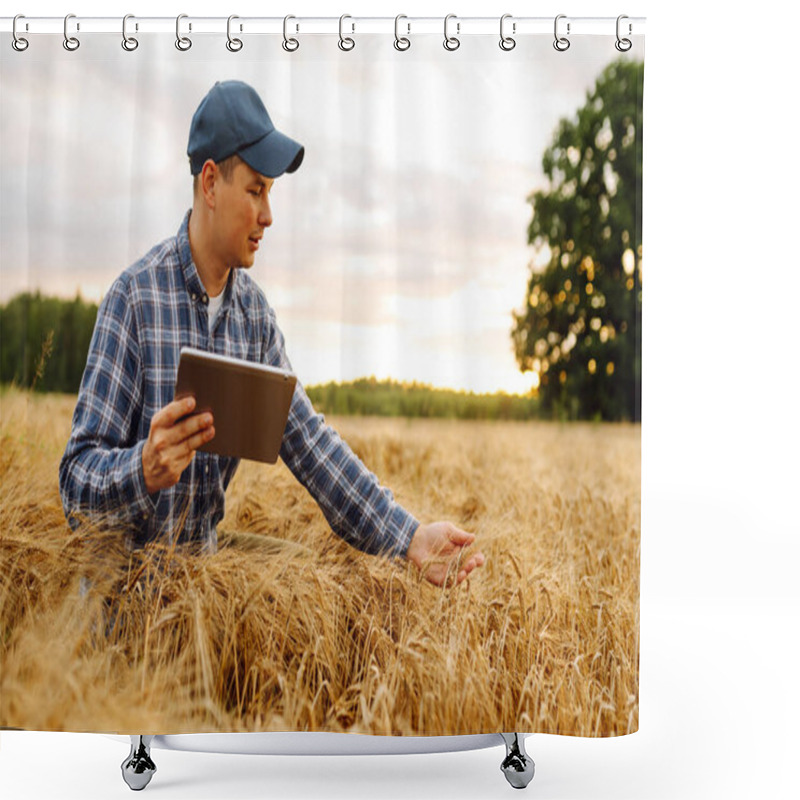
(250, 402)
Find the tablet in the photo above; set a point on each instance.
(250, 402)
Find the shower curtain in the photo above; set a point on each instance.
(455, 271)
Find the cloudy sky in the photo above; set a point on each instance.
(399, 247)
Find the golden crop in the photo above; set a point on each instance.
(291, 629)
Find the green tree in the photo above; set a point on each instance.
(580, 326)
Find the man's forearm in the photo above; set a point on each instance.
(104, 484)
(358, 509)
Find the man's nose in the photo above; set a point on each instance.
(265, 213)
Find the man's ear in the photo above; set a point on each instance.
(208, 183)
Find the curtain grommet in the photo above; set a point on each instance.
(129, 43)
(561, 43)
(233, 44)
(451, 43)
(346, 43)
(70, 43)
(623, 45)
(401, 43)
(289, 44)
(183, 43)
(19, 43)
(507, 42)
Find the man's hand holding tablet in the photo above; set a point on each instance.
(172, 442)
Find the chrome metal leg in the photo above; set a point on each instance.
(138, 768)
(518, 766)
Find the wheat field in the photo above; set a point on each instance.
(313, 635)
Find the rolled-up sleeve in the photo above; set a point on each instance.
(358, 509)
(100, 475)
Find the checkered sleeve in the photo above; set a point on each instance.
(100, 475)
(356, 506)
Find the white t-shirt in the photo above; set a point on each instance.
(214, 305)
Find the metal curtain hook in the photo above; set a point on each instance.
(128, 42)
(506, 42)
(346, 43)
(289, 45)
(451, 42)
(18, 43)
(181, 42)
(561, 43)
(623, 45)
(234, 45)
(401, 43)
(70, 42)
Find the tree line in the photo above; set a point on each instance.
(44, 341)
(388, 398)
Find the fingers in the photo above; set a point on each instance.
(438, 550)
(170, 414)
(172, 442)
(194, 429)
(475, 561)
(196, 441)
(459, 537)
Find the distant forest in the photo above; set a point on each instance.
(44, 342)
(389, 398)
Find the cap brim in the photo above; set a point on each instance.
(273, 155)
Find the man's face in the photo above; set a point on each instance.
(241, 214)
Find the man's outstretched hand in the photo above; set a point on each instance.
(438, 550)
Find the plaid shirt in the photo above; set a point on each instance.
(154, 308)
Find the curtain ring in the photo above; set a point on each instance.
(128, 42)
(234, 45)
(18, 43)
(401, 42)
(181, 42)
(451, 42)
(345, 43)
(623, 45)
(561, 43)
(289, 45)
(70, 42)
(506, 42)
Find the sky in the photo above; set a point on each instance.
(398, 249)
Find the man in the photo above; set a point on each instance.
(133, 457)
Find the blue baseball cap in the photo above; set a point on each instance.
(232, 120)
